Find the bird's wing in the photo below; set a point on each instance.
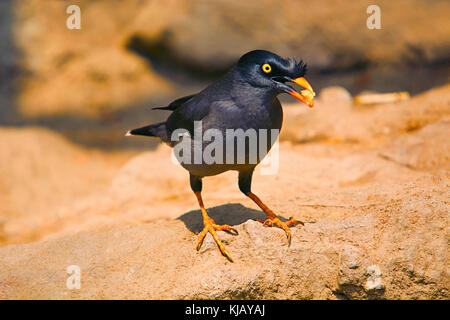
(175, 104)
(183, 117)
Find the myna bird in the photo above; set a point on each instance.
(244, 98)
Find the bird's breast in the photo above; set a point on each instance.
(231, 139)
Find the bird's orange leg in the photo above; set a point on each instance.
(272, 217)
(211, 227)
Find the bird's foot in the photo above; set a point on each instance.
(212, 227)
(274, 220)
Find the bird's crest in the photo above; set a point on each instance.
(300, 68)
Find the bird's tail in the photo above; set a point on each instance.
(157, 130)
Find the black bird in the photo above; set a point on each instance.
(245, 98)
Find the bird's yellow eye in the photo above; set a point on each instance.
(266, 68)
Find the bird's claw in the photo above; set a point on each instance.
(211, 227)
(270, 221)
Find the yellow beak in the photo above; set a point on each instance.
(306, 96)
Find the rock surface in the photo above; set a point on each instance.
(338, 119)
(379, 206)
(374, 253)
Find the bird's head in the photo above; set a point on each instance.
(265, 69)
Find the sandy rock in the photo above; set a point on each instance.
(41, 174)
(333, 119)
(335, 95)
(426, 148)
(159, 261)
(374, 282)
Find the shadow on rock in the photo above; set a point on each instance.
(231, 214)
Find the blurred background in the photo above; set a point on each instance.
(68, 96)
(94, 83)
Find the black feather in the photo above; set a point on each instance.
(300, 68)
(175, 104)
(154, 130)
